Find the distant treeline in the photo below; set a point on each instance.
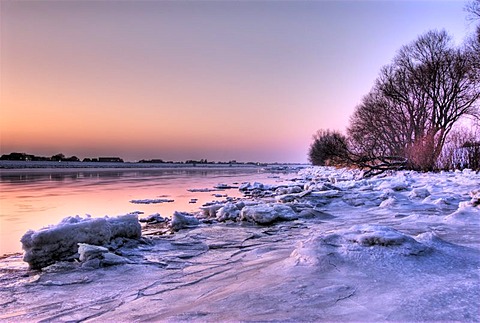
(58, 158)
(62, 158)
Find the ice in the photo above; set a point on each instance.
(475, 201)
(267, 213)
(97, 256)
(229, 211)
(152, 201)
(419, 193)
(182, 220)
(54, 243)
(466, 212)
(210, 211)
(201, 190)
(398, 247)
(154, 218)
(223, 186)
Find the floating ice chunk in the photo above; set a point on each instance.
(255, 186)
(229, 211)
(267, 213)
(182, 220)
(223, 186)
(288, 190)
(48, 245)
(201, 190)
(151, 201)
(153, 218)
(210, 211)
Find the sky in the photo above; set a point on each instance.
(177, 80)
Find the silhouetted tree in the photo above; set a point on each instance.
(415, 102)
(473, 42)
(473, 8)
(58, 157)
(328, 148)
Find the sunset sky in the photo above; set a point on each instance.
(222, 80)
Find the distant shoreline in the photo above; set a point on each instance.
(8, 166)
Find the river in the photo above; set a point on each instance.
(35, 198)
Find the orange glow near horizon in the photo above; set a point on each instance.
(247, 81)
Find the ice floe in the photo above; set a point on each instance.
(48, 245)
(151, 201)
(182, 220)
(267, 213)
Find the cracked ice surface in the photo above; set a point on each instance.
(403, 247)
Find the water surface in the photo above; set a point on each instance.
(32, 199)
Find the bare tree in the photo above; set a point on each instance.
(328, 148)
(462, 149)
(473, 9)
(415, 102)
(473, 42)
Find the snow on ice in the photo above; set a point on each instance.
(327, 245)
(152, 201)
(60, 242)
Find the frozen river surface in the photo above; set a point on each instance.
(403, 247)
(34, 198)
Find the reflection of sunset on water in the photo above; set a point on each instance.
(37, 199)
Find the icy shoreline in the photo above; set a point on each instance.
(329, 246)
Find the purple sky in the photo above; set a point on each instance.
(250, 81)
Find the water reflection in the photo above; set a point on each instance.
(34, 199)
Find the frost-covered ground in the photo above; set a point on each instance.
(325, 247)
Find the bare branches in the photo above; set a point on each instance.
(415, 102)
(473, 8)
(328, 148)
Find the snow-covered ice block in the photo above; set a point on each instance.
(389, 202)
(466, 212)
(210, 211)
(229, 211)
(419, 193)
(377, 235)
(475, 201)
(268, 213)
(87, 251)
(54, 243)
(152, 201)
(182, 220)
(96, 256)
(395, 185)
(255, 186)
(362, 243)
(154, 218)
(288, 190)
